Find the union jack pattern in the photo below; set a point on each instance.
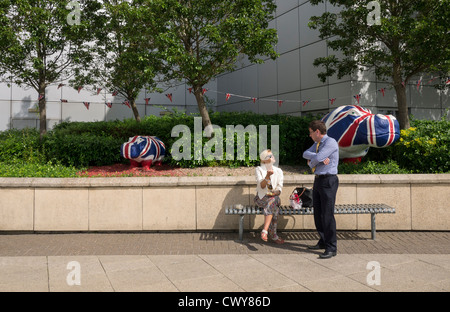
(353, 126)
(143, 148)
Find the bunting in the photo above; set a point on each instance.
(127, 103)
(357, 97)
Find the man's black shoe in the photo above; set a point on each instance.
(315, 247)
(327, 254)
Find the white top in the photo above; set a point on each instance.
(276, 179)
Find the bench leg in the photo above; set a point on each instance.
(372, 223)
(241, 227)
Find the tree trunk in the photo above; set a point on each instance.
(42, 110)
(400, 89)
(198, 92)
(403, 116)
(135, 110)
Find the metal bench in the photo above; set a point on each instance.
(373, 209)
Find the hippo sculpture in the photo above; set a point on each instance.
(143, 150)
(356, 129)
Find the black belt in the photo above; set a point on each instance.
(324, 175)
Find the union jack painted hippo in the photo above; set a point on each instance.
(143, 150)
(356, 129)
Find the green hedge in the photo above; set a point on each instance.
(98, 143)
(424, 148)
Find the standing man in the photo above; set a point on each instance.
(323, 159)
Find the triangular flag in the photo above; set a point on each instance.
(227, 96)
(418, 84)
(169, 95)
(190, 90)
(332, 101)
(382, 90)
(147, 100)
(305, 102)
(280, 102)
(254, 100)
(79, 89)
(109, 104)
(61, 85)
(204, 91)
(115, 93)
(41, 96)
(99, 90)
(357, 97)
(127, 103)
(86, 104)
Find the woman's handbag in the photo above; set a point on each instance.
(294, 201)
(305, 195)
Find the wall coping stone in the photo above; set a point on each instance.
(214, 181)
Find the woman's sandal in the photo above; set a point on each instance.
(278, 240)
(264, 235)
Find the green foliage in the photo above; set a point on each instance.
(37, 170)
(412, 38)
(74, 143)
(424, 147)
(20, 145)
(82, 150)
(371, 167)
(72, 146)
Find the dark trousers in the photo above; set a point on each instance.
(324, 198)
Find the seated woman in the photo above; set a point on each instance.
(269, 184)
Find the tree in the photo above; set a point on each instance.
(40, 41)
(200, 39)
(408, 37)
(121, 58)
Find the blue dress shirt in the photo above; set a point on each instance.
(328, 148)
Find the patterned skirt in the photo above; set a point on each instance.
(270, 204)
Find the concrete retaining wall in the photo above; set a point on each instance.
(198, 203)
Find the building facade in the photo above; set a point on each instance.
(287, 85)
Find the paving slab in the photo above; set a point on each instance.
(217, 262)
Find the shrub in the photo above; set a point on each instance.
(27, 170)
(23, 145)
(77, 143)
(424, 147)
(371, 167)
(82, 149)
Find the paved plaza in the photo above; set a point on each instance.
(218, 262)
